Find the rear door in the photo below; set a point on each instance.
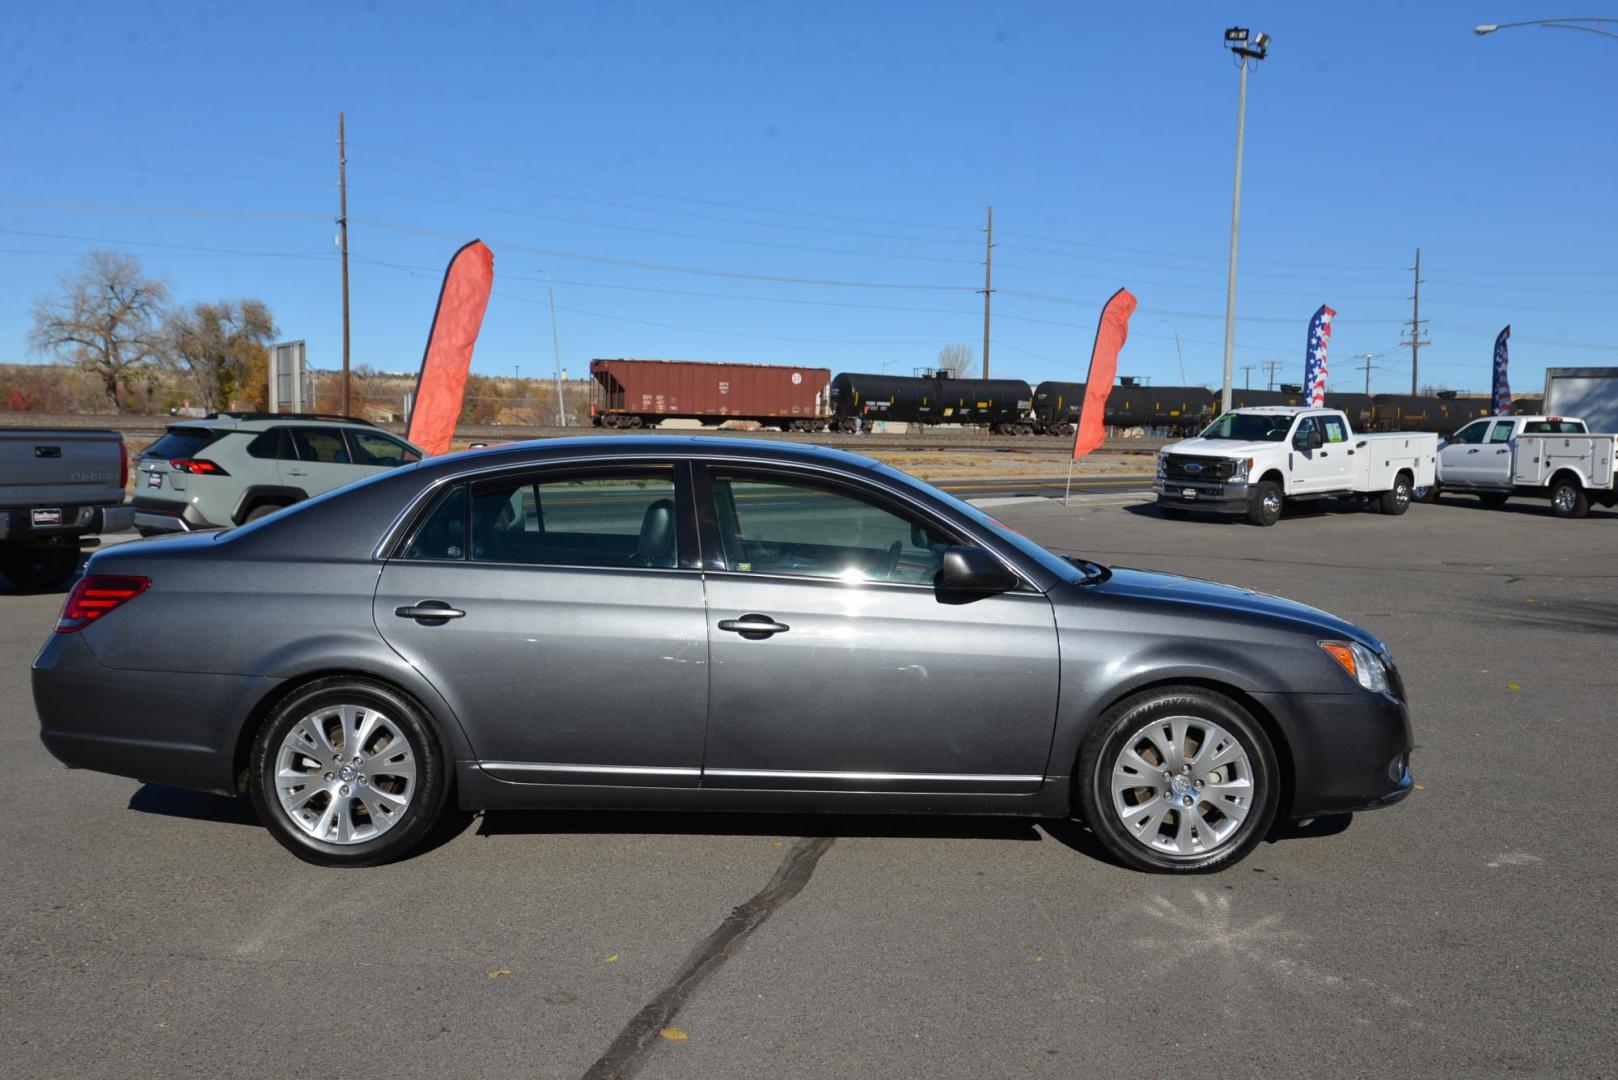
(835, 663)
(377, 451)
(323, 460)
(573, 646)
(1494, 456)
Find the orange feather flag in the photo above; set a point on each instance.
(441, 384)
(1111, 333)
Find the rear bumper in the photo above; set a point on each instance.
(1349, 751)
(1210, 495)
(159, 727)
(18, 526)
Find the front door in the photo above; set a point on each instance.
(835, 664)
(1460, 462)
(573, 648)
(1312, 469)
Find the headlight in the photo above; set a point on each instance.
(1162, 466)
(1361, 663)
(1243, 466)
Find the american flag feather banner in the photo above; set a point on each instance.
(1314, 357)
(1502, 388)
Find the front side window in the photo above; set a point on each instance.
(1471, 434)
(624, 518)
(321, 444)
(374, 448)
(1502, 432)
(1307, 426)
(779, 526)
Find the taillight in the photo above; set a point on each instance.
(96, 594)
(123, 464)
(199, 466)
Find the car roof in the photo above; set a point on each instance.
(264, 423)
(643, 445)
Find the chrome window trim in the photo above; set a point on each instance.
(390, 536)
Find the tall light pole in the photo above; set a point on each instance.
(1593, 26)
(1244, 46)
(556, 349)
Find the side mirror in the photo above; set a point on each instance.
(1307, 441)
(971, 569)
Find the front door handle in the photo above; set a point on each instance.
(754, 627)
(1471, 451)
(429, 612)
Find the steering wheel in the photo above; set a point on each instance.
(895, 549)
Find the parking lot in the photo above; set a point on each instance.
(1469, 931)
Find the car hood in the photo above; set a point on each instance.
(1173, 589)
(1225, 448)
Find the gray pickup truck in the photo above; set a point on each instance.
(56, 488)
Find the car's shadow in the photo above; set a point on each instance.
(225, 810)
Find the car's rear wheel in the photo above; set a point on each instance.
(1178, 780)
(33, 567)
(263, 510)
(348, 772)
(1568, 499)
(1396, 501)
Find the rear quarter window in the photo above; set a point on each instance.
(182, 443)
(1554, 427)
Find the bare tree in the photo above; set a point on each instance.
(105, 319)
(955, 359)
(224, 347)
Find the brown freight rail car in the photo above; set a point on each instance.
(639, 393)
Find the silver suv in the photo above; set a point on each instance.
(233, 468)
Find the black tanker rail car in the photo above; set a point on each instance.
(1410, 412)
(1181, 410)
(1356, 406)
(860, 400)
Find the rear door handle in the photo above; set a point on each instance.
(429, 611)
(296, 472)
(754, 627)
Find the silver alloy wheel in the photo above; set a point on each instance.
(345, 774)
(1272, 502)
(1566, 498)
(1401, 494)
(1182, 786)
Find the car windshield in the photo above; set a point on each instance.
(1249, 427)
(1056, 564)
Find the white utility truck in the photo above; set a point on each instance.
(1552, 457)
(1253, 461)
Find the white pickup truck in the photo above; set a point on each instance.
(1252, 461)
(57, 487)
(1552, 457)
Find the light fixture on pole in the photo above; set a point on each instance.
(556, 349)
(1592, 26)
(1245, 45)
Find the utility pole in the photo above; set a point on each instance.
(1416, 343)
(342, 243)
(988, 266)
(1270, 368)
(1367, 366)
(1247, 376)
(1255, 47)
(556, 351)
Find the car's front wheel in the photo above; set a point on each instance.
(1178, 780)
(348, 772)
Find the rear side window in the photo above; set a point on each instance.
(182, 442)
(1554, 427)
(272, 444)
(625, 518)
(443, 534)
(1502, 432)
(320, 444)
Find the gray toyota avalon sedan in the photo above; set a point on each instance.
(704, 624)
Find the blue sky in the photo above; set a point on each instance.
(622, 145)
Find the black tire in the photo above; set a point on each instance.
(1264, 503)
(1107, 740)
(31, 568)
(1568, 499)
(1397, 501)
(428, 798)
(263, 510)
(1494, 500)
(1173, 513)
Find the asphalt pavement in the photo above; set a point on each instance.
(1469, 931)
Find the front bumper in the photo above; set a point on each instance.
(18, 527)
(161, 727)
(1214, 496)
(1349, 751)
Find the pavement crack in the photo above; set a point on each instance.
(638, 1037)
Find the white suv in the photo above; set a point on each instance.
(234, 468)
